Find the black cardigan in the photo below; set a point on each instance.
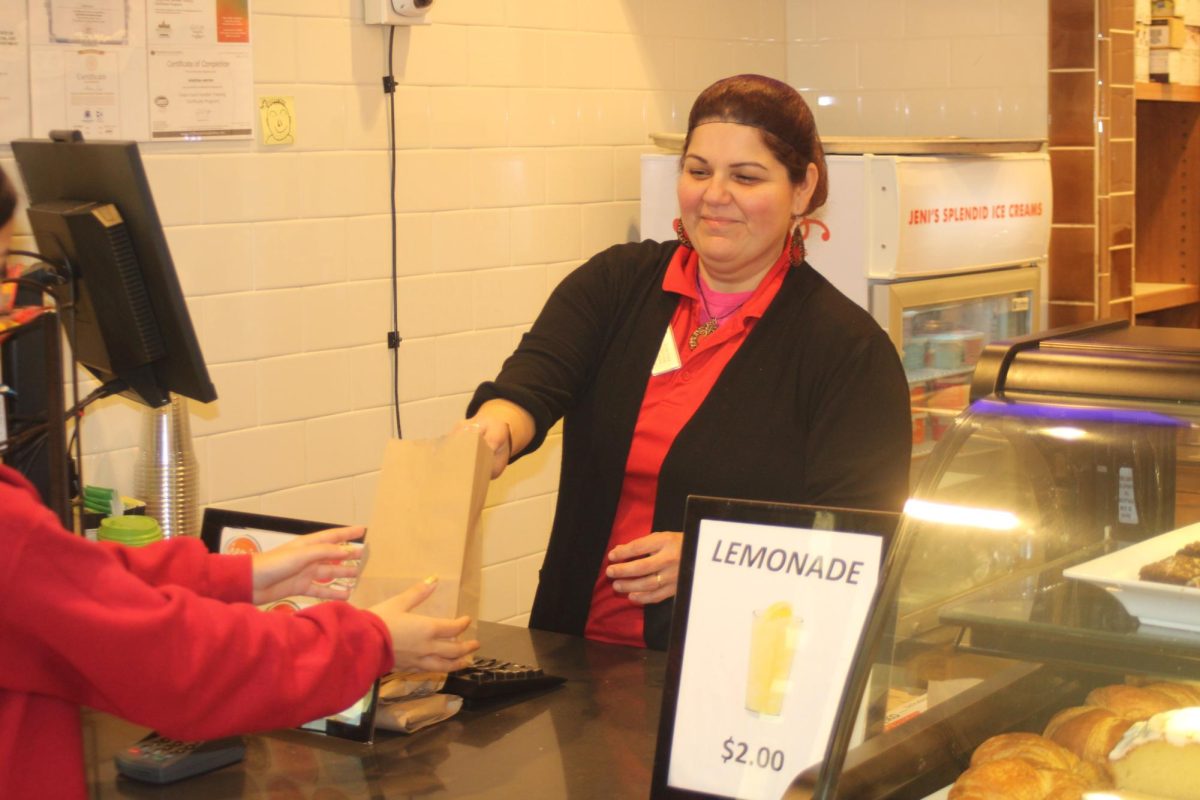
(813, 408)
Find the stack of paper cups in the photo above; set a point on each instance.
(165, 475)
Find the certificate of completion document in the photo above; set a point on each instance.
(202, 92)
(87, 67)
(149, 70)
(93, 90)
(88, 21)
(182, 21)
(14, 72)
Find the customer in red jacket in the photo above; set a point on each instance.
(167, 635)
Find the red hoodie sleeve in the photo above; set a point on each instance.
(186, 562)
(77, 624)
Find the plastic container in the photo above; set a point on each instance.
(132, 530)
(919, 424)
(946, 350)
(916, 399)
(916, 350)
(951, 393)
(972, 347)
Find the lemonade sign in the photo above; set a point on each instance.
(773, 619)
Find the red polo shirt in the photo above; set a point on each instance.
(670, 401)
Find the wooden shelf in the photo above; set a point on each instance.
(1169, 92)
(1157, 296)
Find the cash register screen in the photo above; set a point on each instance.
(238, 532)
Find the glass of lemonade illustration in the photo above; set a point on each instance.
(772, 643)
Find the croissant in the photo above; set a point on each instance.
(1131, 702)
(1090, 732)
(1183, 695)
(1037, 750)
(1072, 755)
(1016, 779)
(1019, 765)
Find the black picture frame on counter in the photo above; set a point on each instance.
(215, 521)
(735, 554)
(226, 531)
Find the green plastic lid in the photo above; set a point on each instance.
(134, 530)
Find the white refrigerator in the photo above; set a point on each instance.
(943, 241)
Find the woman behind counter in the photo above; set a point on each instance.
(721, 364)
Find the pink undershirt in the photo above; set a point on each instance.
(721, 304)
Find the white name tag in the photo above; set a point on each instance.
(668, 355)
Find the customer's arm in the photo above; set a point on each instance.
(301, 567)
(76, 624)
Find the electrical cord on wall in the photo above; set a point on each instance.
(393, 337)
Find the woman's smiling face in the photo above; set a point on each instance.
(737, 203)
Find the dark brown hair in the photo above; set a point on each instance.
(8, 199)
(781, 116)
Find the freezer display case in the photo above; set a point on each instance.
(943, 242)
(1037, 633)
(940, 326)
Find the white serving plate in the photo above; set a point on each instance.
(1152, 603)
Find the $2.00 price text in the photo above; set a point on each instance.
(737, 752)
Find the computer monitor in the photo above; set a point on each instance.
(90, 207)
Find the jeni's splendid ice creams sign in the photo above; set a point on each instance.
(951, 214)
(908, 216)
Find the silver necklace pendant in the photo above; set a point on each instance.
(700, 333)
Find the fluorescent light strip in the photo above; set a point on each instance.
(965, 516)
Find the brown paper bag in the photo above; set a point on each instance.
(425, 522)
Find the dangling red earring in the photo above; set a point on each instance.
(797, 252)
(681, 234)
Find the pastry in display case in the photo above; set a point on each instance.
(1037, 632)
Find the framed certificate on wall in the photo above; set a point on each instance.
(771, 605)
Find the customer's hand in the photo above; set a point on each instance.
(307, 564)
(420, 643)
(647, 569)
(496, 435)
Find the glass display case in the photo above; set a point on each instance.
(940, 326)
(1015, 588)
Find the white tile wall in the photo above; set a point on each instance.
(215, 259)
(922, 67)
(254, 461)
(292, 253)
(519, 126)
(329, 501)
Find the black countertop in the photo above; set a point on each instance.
(592, 737)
